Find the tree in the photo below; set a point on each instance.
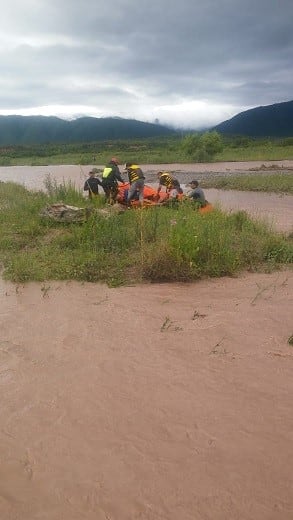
(202, 147)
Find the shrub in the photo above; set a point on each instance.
(202, 147)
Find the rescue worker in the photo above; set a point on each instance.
(166, 179)
(173, 198)
(110, 177)
(92, 184)
(197, 194)
(136, 181)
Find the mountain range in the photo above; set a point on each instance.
(264, 121)
(27, 130)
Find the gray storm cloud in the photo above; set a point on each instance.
(191, 64)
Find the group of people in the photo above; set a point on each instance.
(111, 175)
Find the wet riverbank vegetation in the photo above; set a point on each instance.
(157, 244)
(271, 183)
(157, 150)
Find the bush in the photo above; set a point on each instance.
(202, 147)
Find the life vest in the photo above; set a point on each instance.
(134, 173)
(106, 172)
(166, 180)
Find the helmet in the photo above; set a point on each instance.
(115, 160)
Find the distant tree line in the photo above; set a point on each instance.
(195, 147)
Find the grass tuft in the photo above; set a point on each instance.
(272, 183)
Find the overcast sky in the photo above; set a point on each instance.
(190, 64)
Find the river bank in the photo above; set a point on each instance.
(275, 209)
(33, 176)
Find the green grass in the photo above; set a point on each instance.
(155, 244)
(274, 182)
(146, 151)
(271, 152)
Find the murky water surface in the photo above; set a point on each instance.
(276, 209)
(107, 413)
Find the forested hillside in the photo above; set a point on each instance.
(268, 121)
(27, 130)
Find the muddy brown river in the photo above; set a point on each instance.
(149, 402)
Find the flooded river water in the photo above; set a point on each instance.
(108, 414)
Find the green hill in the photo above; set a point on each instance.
(29, 130)
(265, 121)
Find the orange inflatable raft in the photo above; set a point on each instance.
(151, 198)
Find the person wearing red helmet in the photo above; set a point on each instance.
(110, 177)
